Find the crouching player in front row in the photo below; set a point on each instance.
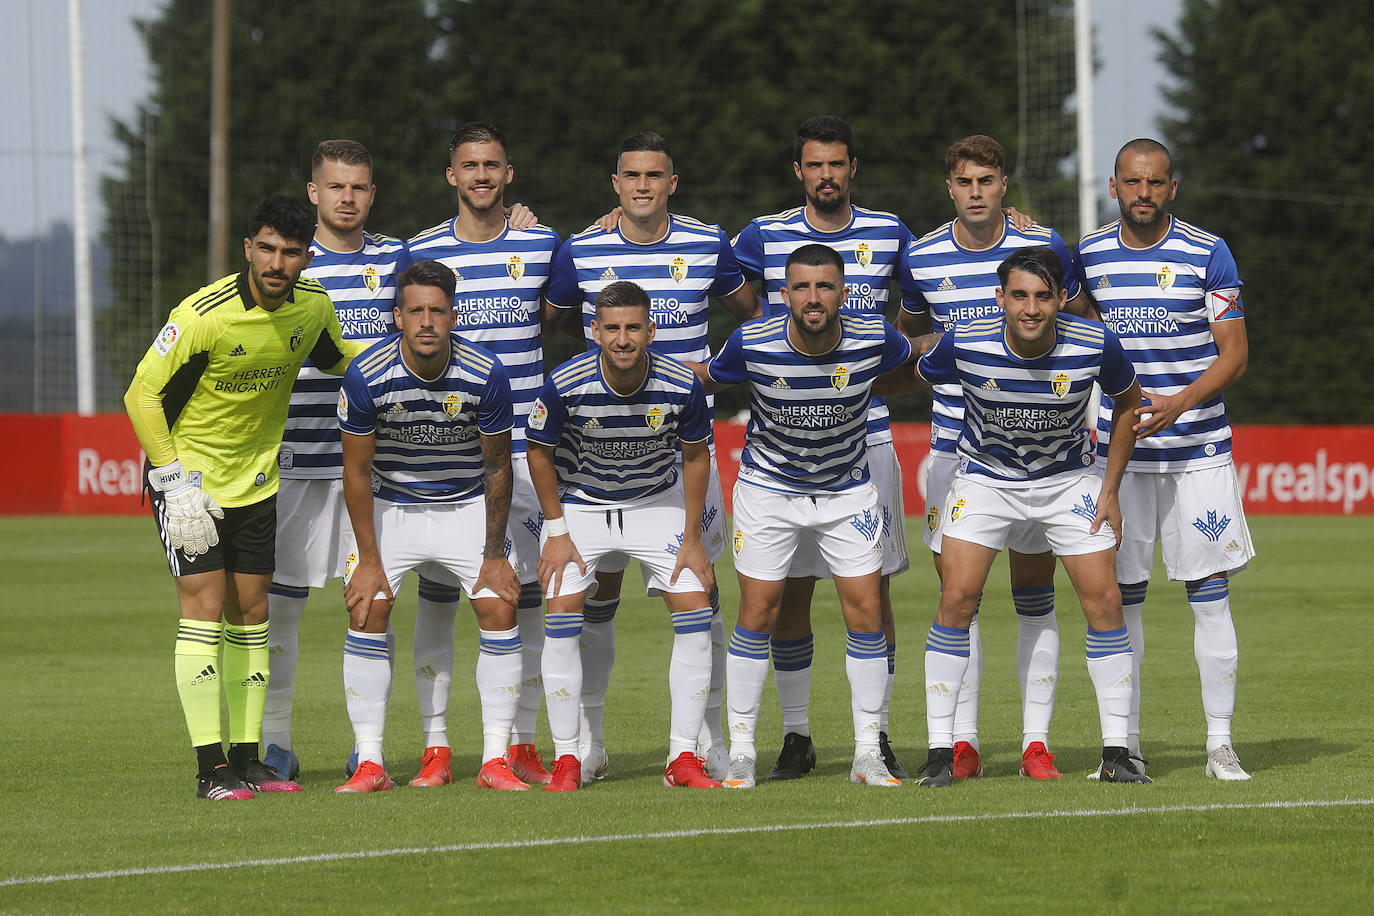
(1025, 463)
(603, 440)
(426, 421)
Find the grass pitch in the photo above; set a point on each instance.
(97, 781)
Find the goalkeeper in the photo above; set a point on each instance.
(208, 403)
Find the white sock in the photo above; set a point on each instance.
(1109, 667)
(792, 678)
(1214, 646)
(561, 671)
(285, 605)
(689, 679)
(1132, 611)
(865, 663)
(712, 727)
(746, 668)
(367, 685)
(947, 651)
(529, 614)
(433, 654)
(1037, 660)
(598, 657)
(966, 711)
(498, 687)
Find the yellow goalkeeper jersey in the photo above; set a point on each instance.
(222, 369)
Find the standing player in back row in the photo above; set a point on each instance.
(1171, 292)
(871, 243)
(501, 272)
(680, 263)
(954, 272)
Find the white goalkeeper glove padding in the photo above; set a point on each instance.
(187, 510)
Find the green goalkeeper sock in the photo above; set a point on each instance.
(245, 680)
(197, 671)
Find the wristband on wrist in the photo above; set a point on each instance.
(553, 527)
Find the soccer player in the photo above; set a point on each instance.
(426, 420)
(804, 472)
(954, 276)
(871, 243)
(1025, 462)
(501, 272)
(1172, 293)
(680, 263)
(208, 402)
(619, 452)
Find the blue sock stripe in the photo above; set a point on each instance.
(866, 645)
(748, 644)
(1210, 590)
(1133, 593)
(715, 599)
(891, 657)
(562, 626)
(509, 646)
(195, 631)
(438, 592)
(253, 638)
(948, 640)
(366, 646)
(1033, 602)
(1101, 643)
(793, 654)
(530, 597)
(698, 621)
(288, 591)
(600, 610)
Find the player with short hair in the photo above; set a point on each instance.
(426, 420)
(953, 273)
(804, 474)
(680, 263)
(1025, 462)
(208, 402)
(619, 452)
(1171, 292)
(501, 268)
(872, 243)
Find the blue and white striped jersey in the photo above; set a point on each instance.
(500, 283)
(362, 285)
(680, 272)
(612, 449)
(1023, 418)
(428, 434)
(807, 413)
(873, 247)
(1161, 302)
(955, 284)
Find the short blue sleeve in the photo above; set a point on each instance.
(563, 290)
(357, 411)
(896, 348)
(748, 247)
(936, 366)
(547, 416)
(727, 366)
(494, 412)
(694, 425)
(728, 275)
(1118, 372)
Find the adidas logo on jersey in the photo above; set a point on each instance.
(779, 383)
(990, 385)
(592, 423)
(457, 276)
(946, 285)
(238, 351)
(1104, 283)
(608, 275)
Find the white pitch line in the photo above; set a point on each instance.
(667, 835)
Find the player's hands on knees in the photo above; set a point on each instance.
(520, 216)
(691, 555)
(1162, 411)
(611, 220)
(189, 512)
(498, 575)
(362, 590)
(558, 551)
(1108, 511)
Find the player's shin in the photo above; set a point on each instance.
(1109, 666)
(865, 664)
(561, 668)
(947, 652)
(498, 687)
(285, 606)
(529, 614)
(746, 668)
(1037, 660)
(712, 729)
(1132, 611)
(966, 710)
(689, 679)
(598, 657)
(245, 681)
(198, 679)
(792, 659)
(433, 654)
(367, 684)
(1216, 651)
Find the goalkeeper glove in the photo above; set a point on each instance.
(186, 510)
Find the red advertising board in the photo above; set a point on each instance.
(64, 463)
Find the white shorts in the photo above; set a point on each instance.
(441, 541)
(886, 475)
(649, 531)
(313, 532)
(526, 519)
(940, 471)
(846, 528)
(1196, 516)
(712, 523)
(1061, 510)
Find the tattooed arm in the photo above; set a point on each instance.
(497, 574)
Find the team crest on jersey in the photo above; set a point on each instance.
(453, 404)
(839, 379)
(1060, 385)
(863, 254)
(297, 336)
(539, 415)
(166, 338)
(739, 541)
(654, 418)
(286, 459)
(515, 267)
(956, 512)
(350, 564)
(342, 408)
(370, 279)
(1165, 278)
(678, 269)
(933, 517)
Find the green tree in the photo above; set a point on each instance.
(1271, 148)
